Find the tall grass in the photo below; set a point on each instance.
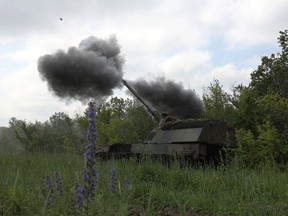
(154, 188)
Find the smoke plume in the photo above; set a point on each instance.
(170, 97)
(92, 70)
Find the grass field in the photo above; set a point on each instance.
(154, 190)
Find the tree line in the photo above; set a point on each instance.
(118, 121)
(258, 111)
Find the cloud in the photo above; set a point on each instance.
(24, 96)
(185, 62)
(256, 22)
(230, 74)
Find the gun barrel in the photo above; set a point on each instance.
(152, 111)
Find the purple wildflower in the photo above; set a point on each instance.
(91, 133)
(79, 196)
(50, 189)
(90, 176)
(113, 181)
(59, 187)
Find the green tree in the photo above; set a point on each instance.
(25, 132)
(103, 120)
(247, 112)
(275, 109)
(119, 107)
(266, 149)
(272, 76)
(122, 121)
(263, 107)
(217, 104)
(121, 131)
(8, 141)
(59, 134)
(142, 121)
(259, 111)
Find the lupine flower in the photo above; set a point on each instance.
(50, 189)
(90, 176)
(59, 187)
(79, 196)
(113, 181)
(91, 133)
(127, 183)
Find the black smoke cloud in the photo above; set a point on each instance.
(92, 70)
(170, 97)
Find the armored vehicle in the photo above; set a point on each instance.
(188, 139)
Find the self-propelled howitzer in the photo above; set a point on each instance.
(188, 139)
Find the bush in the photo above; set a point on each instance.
(267, 148)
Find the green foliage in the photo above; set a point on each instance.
(121, 131)
(122, 121)
(59, 134)
(259, 111)
(27, 133)
(268, 101)
(271, 76)
(141, 121)
(247, 111)
(248, 148)
(8, 141)
(217, 103)
(119, 107)
(271, 142)
(266, 149)
(118, 121)
(275, 109)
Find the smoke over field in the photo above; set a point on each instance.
(94, 70)
(170, 97)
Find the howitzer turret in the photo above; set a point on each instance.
(188, 139)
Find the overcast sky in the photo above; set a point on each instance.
(188, 41)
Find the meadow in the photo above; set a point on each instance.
(153, 189)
